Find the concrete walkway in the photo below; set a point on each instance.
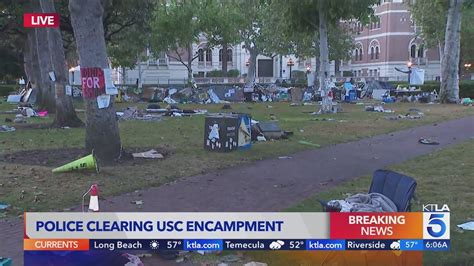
(273, 184)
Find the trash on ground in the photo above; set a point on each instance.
(378, 108)
(466, 101)
(271, 130)
(254, 263)
(133, 260)
(308, 143)
(87, 162)
(467, 226)
(151, 154)
(428, 141)
(4, 206)
(227, 132)
(138, 202)
(284, 157)
(5, 128)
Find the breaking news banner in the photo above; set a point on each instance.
(50, 234)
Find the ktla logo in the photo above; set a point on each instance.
(436, 221)
(41, 20)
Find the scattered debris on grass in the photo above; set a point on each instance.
(428, 141)
(378, 108)
(5, 128)
(304, 142)
(138, 202)
(254, 263)
(284, 157)
(469, 226)
(151, 154)
(466, 102)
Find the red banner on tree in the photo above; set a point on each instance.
(93, 82)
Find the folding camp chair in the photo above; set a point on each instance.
(397, 187)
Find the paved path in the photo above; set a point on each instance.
(274, 184)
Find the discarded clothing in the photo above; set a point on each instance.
(5, 128)
(428, 141)
(151, 154)
(372, 202)
(467, 226)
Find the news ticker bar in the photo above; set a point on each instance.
(235, 244)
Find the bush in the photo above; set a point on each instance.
(466, 87)
(5, 90)
(233, 73)
(214, 74)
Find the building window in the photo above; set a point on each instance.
(208, 55)
(421, 51)
(375, 72)
(229, 55)
(370, 73)
(200, 55)
(413, 51)
(360, 54)
(377, 52)
(356, 54)
(372, 53)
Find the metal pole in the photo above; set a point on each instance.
(409, 74)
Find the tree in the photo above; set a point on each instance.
(102, 133)
(431, 16)
(221, 21)
(449, 89)
(168, 34)
(65, 112)
(314, 18)
(46, 90)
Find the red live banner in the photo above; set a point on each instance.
(93, 82)
(41, 20)
(360, 225)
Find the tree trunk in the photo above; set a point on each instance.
(27, 58)
(449, 91)
(102, 133)
(47, 92)
(65, 112)
(224, 59)
(190, 63)
(252, 66)
(33, 63)
(326, 106)
(139, 62)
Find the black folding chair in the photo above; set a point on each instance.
(397, 187)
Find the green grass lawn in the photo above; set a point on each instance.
(443, 177)
(20, 184)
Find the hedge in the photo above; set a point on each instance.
(5, 90)
(466, 87)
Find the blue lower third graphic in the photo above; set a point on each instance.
(412, 244)
(325, 244)
(203, 244)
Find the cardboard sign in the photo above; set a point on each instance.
(109, 84)
(103, 101)
(68, 90)
(93, 82)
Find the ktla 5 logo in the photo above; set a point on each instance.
(436, 222)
